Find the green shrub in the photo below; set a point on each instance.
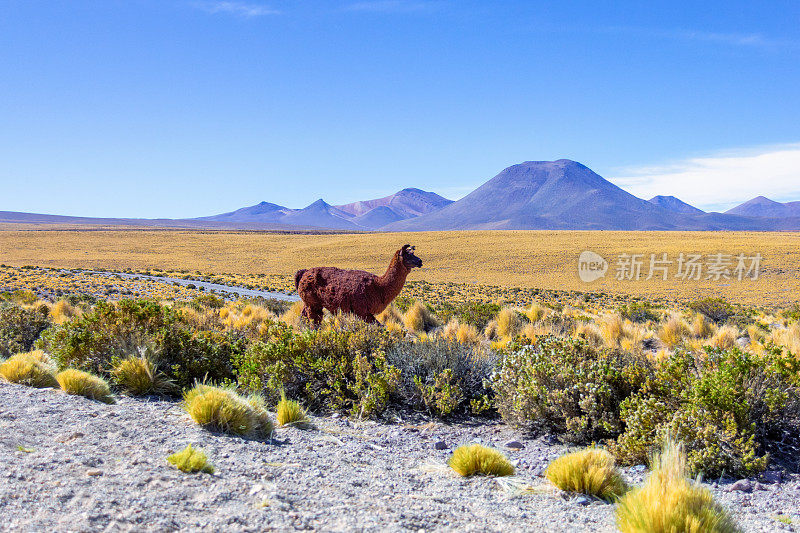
(94, 340)
(716, 309)
(342, 367)
(723, 404)
(638, 312)
(565, 385)
(441, 375)
(20, 327)
(476, 314)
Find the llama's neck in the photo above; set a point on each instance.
(393, 280)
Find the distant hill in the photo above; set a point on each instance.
(559, 194)
(670, 203)
(408, 203)
(761, 206)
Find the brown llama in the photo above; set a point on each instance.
(353, 291)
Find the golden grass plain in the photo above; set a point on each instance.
(530, 259)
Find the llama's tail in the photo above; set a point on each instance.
(297, 276)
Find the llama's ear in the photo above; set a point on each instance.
(405, 248)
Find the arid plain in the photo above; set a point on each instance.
(539, 259)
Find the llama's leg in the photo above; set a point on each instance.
(313, 315)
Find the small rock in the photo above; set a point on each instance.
(581, 500)
(94, 472)
(639, 468)
(772, 476)
(743, 485)
(335, 415)
(477, 440)
(256, 489)
(759, 486)
(514, 445)
(440, 445)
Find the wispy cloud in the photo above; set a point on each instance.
(241, 9)
(751, 40)
(392, 6)
(723, 180)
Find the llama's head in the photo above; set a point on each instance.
(408, 258)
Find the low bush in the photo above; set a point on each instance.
(477, 314)
(84, 384)
(441, 375)
(715, 309)
(222, 409)
(33, 369)
(567, 386)
(638, 312)
(191, 460)
(668, 502)
(723, 404)
(341, 366)
(590, 471)
(93, 341)
(20, 327)
(478, 459)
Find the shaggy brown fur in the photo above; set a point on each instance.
(353, 291)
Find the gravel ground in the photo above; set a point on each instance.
(71, 464)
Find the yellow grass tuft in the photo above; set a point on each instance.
(419, 318)
(293, 316)
(668, 502)
(222, 409)
(725, 337)
(673, 332)
(33, 369)
(84, 384)
(478, 459)
(191, 460)
(702, 327)
(536, 312)
(590, 471)
(139, 376)
(611, 329)
(291, 413)
(789, 338)
(62, 311)
(390, 315)
(508, 323)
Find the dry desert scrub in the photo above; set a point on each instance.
(84, 384)
(33, 369)
(222, 409)
(139, 376)
(478, 459)
(191, 460)
(669, 502)
(591, 471)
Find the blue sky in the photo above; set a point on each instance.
(186, 108)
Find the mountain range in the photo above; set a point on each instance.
(560, 194)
